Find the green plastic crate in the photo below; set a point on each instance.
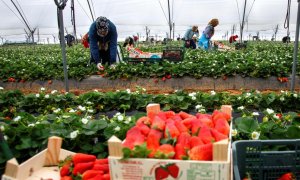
(252, 157)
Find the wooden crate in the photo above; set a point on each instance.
(144, 169)
(43, 165)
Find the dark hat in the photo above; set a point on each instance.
(102, 24)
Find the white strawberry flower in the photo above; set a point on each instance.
(241, 108)
(212, 93)
(16, 119)
(120, 118)
(117, 90)
(194, 98)
(90, 110)
(47, 96)
(82, 108)
(2, 128)
(275, 116)
(37, 95)
(57, 110)
(281, 98)
(270, 111)
(255, 114)
(144, 89)
(5, 137)
(255, 135)
(234, 132)
(54, 91)
(95, 90)
(192, 94)
(89, 103)
(128, 91)
(248, 95)
(74, 134)
(129, 119)
(117, 128)
(199, 106)
(1, 88)
(43, 89)
(31, 125)
(72, 111)
(295, 95)
(84, 120)
(117, 114)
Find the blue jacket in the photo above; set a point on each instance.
(110, 38)
(189, 34)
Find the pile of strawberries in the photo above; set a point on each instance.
(85, 167)
(168, 135)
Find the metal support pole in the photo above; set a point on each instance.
(62, 41)
(73, 20)
(242, 26)
(295, 59)
(170, 24)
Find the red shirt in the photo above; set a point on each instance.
(233, 38)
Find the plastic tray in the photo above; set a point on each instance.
(256, 158)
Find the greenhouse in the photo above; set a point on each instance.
(149, 90)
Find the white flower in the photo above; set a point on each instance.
(2, 128)
(241, 108)
(281, 98)
(66, 93)
(239, 98)
(66, 116)
(37, 95)
(5, 137)
(37, 123)
(89, 103)
(192, 94)
(82, 108)
(31, 125)
(117, 90)
(270, 111)
(16, 119)
(199, 106)
(255, 114)
(84, 120)
(120, 118)
(234, 132)
(255, 135)
(90, 110)
(117, 128)
(72, 111)
(43, 89)
(212, 93)
(275, 116)
(1, 88)
(47, 96)
(128, 91)
(144, 89)
(257, 92)
(194, 98)
(248, 95)
(129, 119)
(117, 114)
(126, 122)
(74, 134)
(89, 117)
(95, 90)
(295, 95)
(54, 91)
(57, 110)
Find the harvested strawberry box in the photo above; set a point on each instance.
(169, 145)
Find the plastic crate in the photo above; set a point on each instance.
(253, 157)
(174, 54)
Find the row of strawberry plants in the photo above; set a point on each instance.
(45, 102)
(44, 62)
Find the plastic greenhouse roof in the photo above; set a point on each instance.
(132, 16)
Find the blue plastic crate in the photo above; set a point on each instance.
(256, 158)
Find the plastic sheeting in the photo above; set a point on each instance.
(132, 16)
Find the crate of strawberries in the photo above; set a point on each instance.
(169, 145)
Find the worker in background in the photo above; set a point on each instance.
(70, 39)
(233, 38)
(128, 41)
(189, 35)
(103, 42)
(204, 41)
(85, 40)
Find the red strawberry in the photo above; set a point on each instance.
(80, 158)
(170, 114)
(101, 161)
(158, 123)
(180, 152)
(206, 135)
(206, 120)
(163, 78)
(90, 174)
(287, 176)
(168, 76)
(101, 167)
(161, 173)
(162, 115)
(222, 126)
(220, 115)
(66, 178)
(106, 177)
(217, 135)
(173, 170)
(50, 82)
(80, 168)
(98, 177)
(181, 127)
(184, 115)
(196, 126)
(143, 128)
(195, 141)
(165, 151)
(144, 120)
(177, 117)
(171, 130)
(184, 140)
(188, 122)
(201, 152)
(65, 170)
(134, 137)
(153, 141)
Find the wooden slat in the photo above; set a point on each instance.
(12, 167)
(115, 147)
(153, 107)
(220, 150)
(53, 151)
(227, 109)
